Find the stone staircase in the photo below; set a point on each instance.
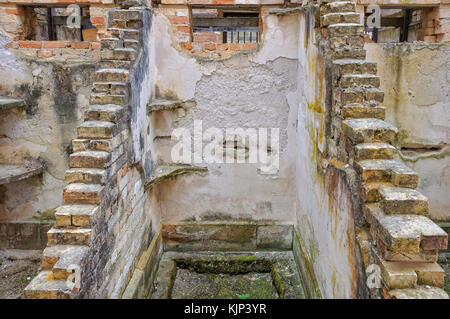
(99, 151)
(404, 241)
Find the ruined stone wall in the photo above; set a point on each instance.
(383, 217)
(250, 90)
(417, 98)
(325, 212)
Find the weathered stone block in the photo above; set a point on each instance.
(396, 200)
(62, 236)
(90, 159)
(359, 111)
(374, 151)
(274, 237)
(96, 130)
(78, 193)
(112, 75)
(44, 287)
(209, 236)
(338, 6)
(369, 131)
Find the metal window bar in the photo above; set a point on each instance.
(241, 37)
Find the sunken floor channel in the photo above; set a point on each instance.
(227, 275)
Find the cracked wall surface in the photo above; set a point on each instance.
(325, 217)
(416, 82)
(249, 91)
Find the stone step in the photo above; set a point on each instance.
(351, 80)
(112, 75)
(116, 64)
(96, 130)
(105, 113)
(339, 17)
(344, 29)
(398, 200)
(126, 54)
(125, 34)
(115, 88)
(90, 159)
(399, 275)
(127, 14)
(131, 34)
(76, 215)
(86, 175)
(354, 66)
(369, 191)
(369, 131)
(366, 151)
(126, 24)
(111, 43)
(64, 260)
(360, 111)
(347, 52)
(338, 6)
(44, 287)
(132, 44)
(391, 171)
(105, 145)
(404, 233)
(104, 98)
(69, 236)
(79, 193)
(347, 41)
(361, 94)
(420, 292)
(427, 256)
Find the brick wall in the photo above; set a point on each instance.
(14, 20)
(202, 44)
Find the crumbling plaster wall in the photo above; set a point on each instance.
(416, 81)
(56, 92)
(325, 205)
(251, 90)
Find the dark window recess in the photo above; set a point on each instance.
(50, 23)
(233, 26)
(396, 25)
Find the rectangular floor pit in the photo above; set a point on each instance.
(227, 275)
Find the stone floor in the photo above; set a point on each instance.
(227, 275)
(193, 285)
(17, 268)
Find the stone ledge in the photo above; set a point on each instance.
(168, 105)
(163, 172)
(14, 173)
(9, 103)
(227, 235)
